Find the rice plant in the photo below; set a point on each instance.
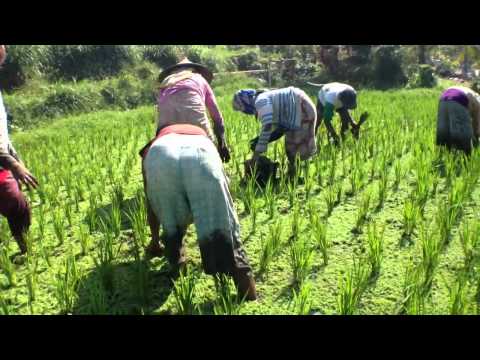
(330, 200)
(301, 255)
(411, 214)
(67, 282)
(302, 301)
(382, 189)
(430, 257)
(184, 292)
(227, 301)
(351, 288)
(470, 240)
(8, 268)
(399, 173)
(413, 302)
(270, 247)
(84, 239)
(59, 226)
(363, 210)
(98, 302)
(4, 306)
(270, 199)
(458, 295)
(319, 229)
(375, 249)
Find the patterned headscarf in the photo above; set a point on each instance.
(244, 101)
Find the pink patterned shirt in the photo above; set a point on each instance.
(199, 85)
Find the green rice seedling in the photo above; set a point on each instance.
(59, 227)
(301, 255)
(249, 195)
(68, 215)
(375, 249)
(106, 247)
(115, 221)
(296, 223)
(31, 279)
(302, 302)
(92, 214)
(319, 170)
(470, 240)
(292, 193)
(413, 302)
(331, 172)
(184, 292)
(270, 198)
(8, 268)
(445, 219)
(98, 303)
(399, 173)
(84, 239)
(106, 254)
(430, 257)
(67, 284)
(320, 235)
(338, 190)
(351, 288)
(309, 181)
(458, 295)
(138, 218)
(382, 189)
(330, 200)
(354, 182)
(226, 302)
(270, 247)
(4, 306)
(41, 222)
(363, 210)
(411, 214)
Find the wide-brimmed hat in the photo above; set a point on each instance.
(185, 63)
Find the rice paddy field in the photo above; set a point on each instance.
(384, 225)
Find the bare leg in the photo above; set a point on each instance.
(154, 249)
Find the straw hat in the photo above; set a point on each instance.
(185, 63)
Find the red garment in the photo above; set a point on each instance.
(13, 204)
(183, 129)
(3, 175)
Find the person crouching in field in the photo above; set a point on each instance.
(340, 98)
(458, 122)
(185, 183)
(13, 204)
(289, 112)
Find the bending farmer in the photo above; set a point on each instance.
(13, 204)
(185, 183)
(288, 112)
(458, 123)
(184, 98)
(340, 98)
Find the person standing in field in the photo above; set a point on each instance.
(289, 112)
(458, 121)
(13, 204)
(340, 98)
(185, 182)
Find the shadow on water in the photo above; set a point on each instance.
(129, 288)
